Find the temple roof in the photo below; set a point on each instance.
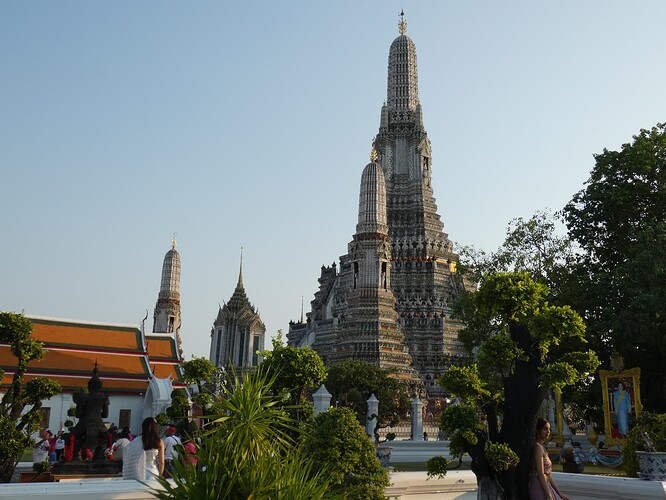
(73, 348)
(163, 355)
(239, 305)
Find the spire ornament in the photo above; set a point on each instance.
(402, 25)
(373, 155)
(240, 273)
(173, 241)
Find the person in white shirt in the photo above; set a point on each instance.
(118, 447)
(40, 450)
(170, 441)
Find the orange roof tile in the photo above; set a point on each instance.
(81, 362)
(105, 337)
(70, 384)
(73, 348)
(162, 348)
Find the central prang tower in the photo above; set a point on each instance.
(417, 256)
(424, 265)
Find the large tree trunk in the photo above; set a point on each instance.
(522, 397)
(489, 487)
(7, 467)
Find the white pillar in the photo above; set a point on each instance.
(373, 411)
(417, 419)
(322, 400)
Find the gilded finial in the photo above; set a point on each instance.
(373, 154)
(402, 25)
(173, 241)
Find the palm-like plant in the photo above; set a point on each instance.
(246, 451)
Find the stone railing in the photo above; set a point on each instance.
(404, 485)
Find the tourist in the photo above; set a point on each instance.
(143, 459)
(170, 442)
(60, 446)
(121, 443)
(541, 485)
(52, 447)
(40, 450)
(190, 449)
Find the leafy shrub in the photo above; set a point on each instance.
(162, 418)
(500, 456)
(437, 467)
(343, 453)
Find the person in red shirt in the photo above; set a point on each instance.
(52, 447)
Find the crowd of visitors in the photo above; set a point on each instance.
(140, 457)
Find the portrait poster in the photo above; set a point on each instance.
(622, 403)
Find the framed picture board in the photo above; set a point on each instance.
(621, 393)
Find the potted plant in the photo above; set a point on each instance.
(645, 448)
(40, 474)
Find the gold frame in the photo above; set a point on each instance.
(637, 407)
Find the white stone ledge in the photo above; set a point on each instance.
(462, 485)
(456, 485)
(98, 489)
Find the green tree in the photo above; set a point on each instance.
(295, 370)
(351, 383)
(342, 451)
(619, 222)
(16, 424)
(199, 371)
(513, 329)
(538, 246)
(248, 452)
(533, 245)
(180, 407)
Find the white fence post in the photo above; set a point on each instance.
(373, 411)
(417, 419)
(322, 400)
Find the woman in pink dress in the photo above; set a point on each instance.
(541, 485)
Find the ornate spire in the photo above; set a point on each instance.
(171, 271)
(240, 272)
(403, 88)
(167, 310)
(372, 201)
(301, 309)
(402, 25)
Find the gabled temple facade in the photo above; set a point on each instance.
(238, 332)
(416, 279)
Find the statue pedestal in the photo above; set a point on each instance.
(87, 468)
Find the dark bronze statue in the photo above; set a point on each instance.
(91, 408)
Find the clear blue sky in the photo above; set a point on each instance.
(248, 123)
